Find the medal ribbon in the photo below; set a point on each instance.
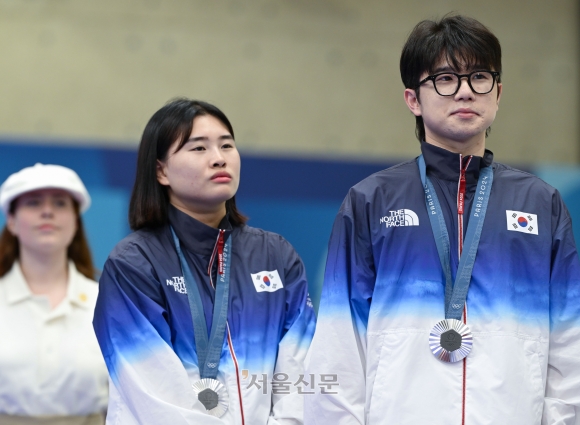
(456, 292)
(209, 350)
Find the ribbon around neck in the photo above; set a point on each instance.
(456, 292)
(208, 349)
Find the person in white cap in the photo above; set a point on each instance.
(51, 368)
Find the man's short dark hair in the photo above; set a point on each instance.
(464, 42)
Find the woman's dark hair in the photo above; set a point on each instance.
(78, 251)
(464, 42)
(149, 203)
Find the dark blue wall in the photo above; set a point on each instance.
(295, 197)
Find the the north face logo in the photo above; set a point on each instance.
(400, 218)
(178, 284)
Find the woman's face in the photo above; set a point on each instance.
(205, 172)
(44, 221)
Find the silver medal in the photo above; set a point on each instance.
(450, 340)
(213, 395)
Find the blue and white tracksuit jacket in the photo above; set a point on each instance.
(144, 327)
(384, 291)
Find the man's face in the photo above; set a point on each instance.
(458, 121)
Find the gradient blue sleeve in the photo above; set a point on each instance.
(298, 330)
(340, 340)
(562, 400)
(149, 383)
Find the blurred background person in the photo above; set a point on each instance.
(51, 369)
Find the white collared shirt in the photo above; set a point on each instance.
(50, 361)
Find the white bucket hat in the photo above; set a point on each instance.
(43, 177)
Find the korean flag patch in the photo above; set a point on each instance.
(518, 221)
(267, 281)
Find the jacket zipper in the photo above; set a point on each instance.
(218, 251)
(461, 200)
(460, 210)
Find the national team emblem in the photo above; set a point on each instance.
(518, 221)
(267, 281)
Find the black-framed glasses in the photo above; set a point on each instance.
(448, 83)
